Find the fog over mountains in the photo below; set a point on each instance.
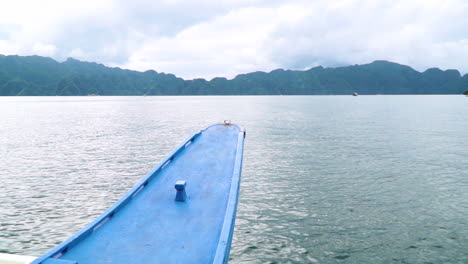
(35, 75)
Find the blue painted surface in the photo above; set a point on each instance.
(181, 194)
(148, 225)
(58, 261)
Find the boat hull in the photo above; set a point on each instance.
(148, 225)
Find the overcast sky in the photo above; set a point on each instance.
(208, 38)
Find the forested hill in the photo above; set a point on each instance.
(34, 75)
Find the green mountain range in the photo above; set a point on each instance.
(35, 75)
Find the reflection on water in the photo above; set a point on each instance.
(326, 179)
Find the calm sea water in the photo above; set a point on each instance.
(326, 179)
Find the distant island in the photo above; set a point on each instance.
(35, 75)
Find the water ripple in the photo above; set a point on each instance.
(326, 179)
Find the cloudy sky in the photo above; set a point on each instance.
(208, 38)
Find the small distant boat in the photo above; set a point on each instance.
(355, 94)
(183, 211)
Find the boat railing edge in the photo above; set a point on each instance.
(224, 243)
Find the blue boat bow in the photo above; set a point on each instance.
(182, 211)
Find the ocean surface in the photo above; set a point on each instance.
(326, 179)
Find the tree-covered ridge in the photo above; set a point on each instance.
(34, 75)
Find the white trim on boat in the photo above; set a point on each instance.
(15, 259)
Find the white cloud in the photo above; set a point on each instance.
(411, 32)
(210, 38)
(223, 45)
(77, 53)
(44, 49)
